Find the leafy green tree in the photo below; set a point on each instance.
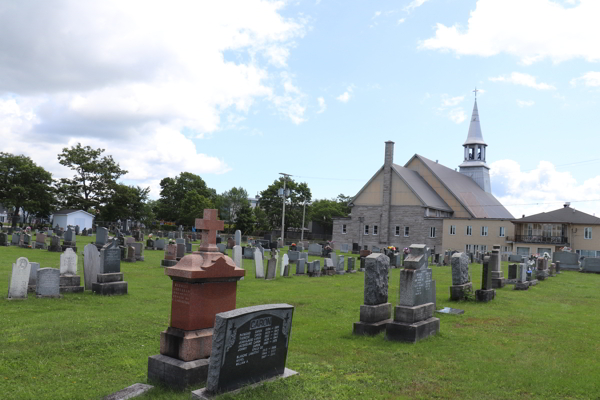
(95, 177)
(25, 185)
(127, 202)
(231, 202)
(169, 206)
(272, 204)
(261, 220)
(244, 219)
(192, 207)
(324, 210)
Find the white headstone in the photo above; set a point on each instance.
(237, 255)
(286, 261)
(19, 279)
(238, 237)
(91, 265)
(68, 262)
(258, 264)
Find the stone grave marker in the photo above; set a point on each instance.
(375, 249)
(180, 250)
(375, 312)
(512, 273)
(33, 268)
(238, 237)
(110, 279)
(101, 236)
(521, 283)
(179, 241)
(159, 244)
(461, 284)
(4, 239)
(351, 264)
(248, 253)
(259, 267)
(48, 282)
(293, 255)
(498, 280)
(237, 255)
(249, 345)
(16, 239)
(486, 293)
(300, 264)
(413, 316)
(315, 249)
(170, 256)
(340, 266)
(19, 279)
(590, 264)
(221, 247)
(139, 251)
(568, 260)
(55, 244)
(91, 265)
(68, 262)
(285, 266)
(272, 265)
(40, 241)
(344, 247)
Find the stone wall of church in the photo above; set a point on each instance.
(412, 217)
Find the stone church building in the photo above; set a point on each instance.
(426, 202)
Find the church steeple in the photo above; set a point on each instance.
(475, 151)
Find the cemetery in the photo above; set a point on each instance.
(65, 300)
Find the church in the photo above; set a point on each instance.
(426, 202)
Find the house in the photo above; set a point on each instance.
(426, 202)
(66, 217)
(548, 232)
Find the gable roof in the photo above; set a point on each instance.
(67, 211)
(565, 215)
(421, 188)
(366, 185)
(469, 194)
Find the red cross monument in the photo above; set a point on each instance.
(209, 227)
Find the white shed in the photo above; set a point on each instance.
(82, 218)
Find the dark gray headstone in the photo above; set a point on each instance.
(486, 274)
(48, 282)
(512, 271)
(249, 345)
(460, 268)
(33, 273)
(300, 266)
(590, 264)
(376, 279)
(351, 261)
(416, 287)
(110, 258)
(101, 235)
(159, 244)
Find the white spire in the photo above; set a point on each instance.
(475, 136)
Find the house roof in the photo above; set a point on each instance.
(469, 194)
(565, 215)
(67, 211)
(421, 188)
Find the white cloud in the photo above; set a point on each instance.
(531, 30)
(542, 189)
(345, 97)
(590, 79)
(322, 105)
(139, 79)
(457, 115)
(525, 103)
(400, 21)
(414, 4)
(522, 79)
(451, 101)
(377, 14)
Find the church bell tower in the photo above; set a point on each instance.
(475, 151)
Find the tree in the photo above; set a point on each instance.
(260, 218)
(244, 219)
(192, 207)
(272, 204)
(127, 202)
(324, 210)
(25, 185)
(231, 202)
(94, 180)
(173, 191)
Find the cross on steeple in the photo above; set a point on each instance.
(475, 91)
(209, 227)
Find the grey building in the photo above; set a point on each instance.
(402, 205)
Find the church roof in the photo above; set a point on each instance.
(475, 136)
(421, 188)
(565, 215)
(469, 194)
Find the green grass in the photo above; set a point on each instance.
(542, 343)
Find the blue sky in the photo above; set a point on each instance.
(238, 91)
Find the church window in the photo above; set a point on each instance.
(468, 248)
(484, 231)
(397, 230)
(469, 230)
(406, 231)
(501, 231)
(483, 248)
(343, 229)
(366, 229)
(453, 229)
(587, 233)
(375, 229)
(432, 232)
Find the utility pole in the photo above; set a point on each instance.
(285, 176)
(303, 214)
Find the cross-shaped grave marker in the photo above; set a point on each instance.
(209, 227)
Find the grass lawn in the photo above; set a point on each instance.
(542, 343)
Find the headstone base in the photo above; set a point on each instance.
(186, 345)
(498, 283)
(541, 275)
(168, 263)
(71, 289)
(460, 292)
(109, 289)
(484, 296)
(42, 246)
(65, 247)
(139, 258)
(110, 277)
(361, 270)
(340, 272)
(533, 282)
(70, 284)
(412, 333)
(40, 296)
(370, 329)
(521, 285)
(175, 373)
(203, 394)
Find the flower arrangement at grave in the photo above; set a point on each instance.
(406, 250)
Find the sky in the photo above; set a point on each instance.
(238, 91)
